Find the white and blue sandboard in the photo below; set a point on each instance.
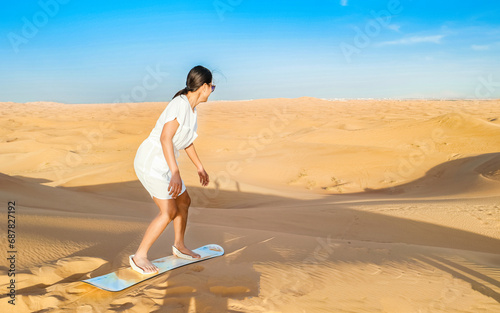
(127, 277)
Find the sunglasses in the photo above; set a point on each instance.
(213, 88)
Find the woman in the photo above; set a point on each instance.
(156, 166)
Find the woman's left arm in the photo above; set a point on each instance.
(191, 152)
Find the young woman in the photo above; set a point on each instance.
(156, 166)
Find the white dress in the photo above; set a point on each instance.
(150, 164)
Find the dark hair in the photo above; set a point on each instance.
(197, 76)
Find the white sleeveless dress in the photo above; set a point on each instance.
(150, 164)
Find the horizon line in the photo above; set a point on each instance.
(241, 100)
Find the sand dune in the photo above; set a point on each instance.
(321, 206)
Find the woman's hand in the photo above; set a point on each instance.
(175, 186)
(203, 176)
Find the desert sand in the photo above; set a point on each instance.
(320, 205)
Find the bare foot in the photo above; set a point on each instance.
(145, 264)
(183, 249)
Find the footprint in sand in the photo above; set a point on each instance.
(197, 268)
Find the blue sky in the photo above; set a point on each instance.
(108, 51)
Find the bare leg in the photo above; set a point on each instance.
(183, 201)
(168, 210)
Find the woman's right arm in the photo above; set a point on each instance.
(166, 136)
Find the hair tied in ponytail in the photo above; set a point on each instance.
(197, 76)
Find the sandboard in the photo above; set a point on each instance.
(127, 277)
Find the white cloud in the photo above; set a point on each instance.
(414, 40)
(343, 3)
(480, 47)
(394, 27)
